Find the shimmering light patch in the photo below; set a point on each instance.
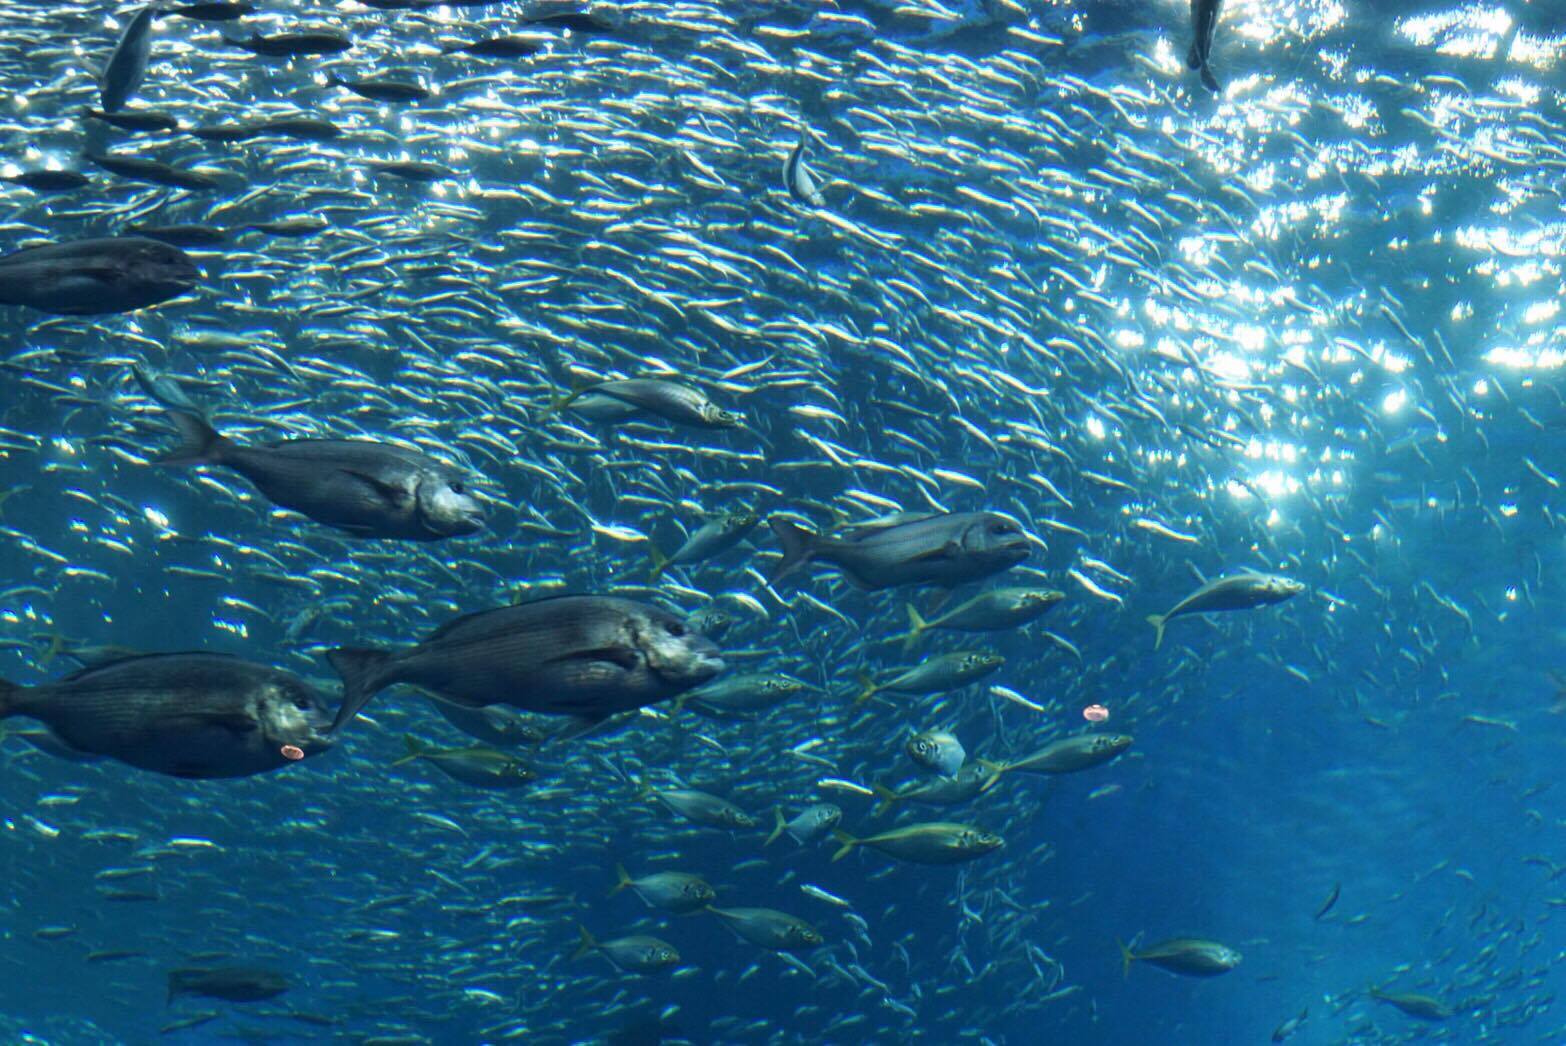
(1522, 359)
(1394, 401)
(1541, 311)
(1229, 366)
(1095, 427)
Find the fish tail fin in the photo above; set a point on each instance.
(199, 443)
(178, 980)
(1193, 57)
(1210, 81)
(885, 798)
(660, 562)
(848, 843)
(413, 747)
(560, 403)
(1157, 621)
(360, 669)
(587, 945)
(917, 626)
(622, 878)
(799, 547)
(778, 825)
(8, 692)
(869, 688)
(1126, 958)
(643, 789)
(991, 767)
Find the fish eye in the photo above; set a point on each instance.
(1000, 528)
(459, 487)
(302, 703)
(676, 629)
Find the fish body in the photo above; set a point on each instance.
(478, 766)
(735, 697)
(231, 983)
(214, 12)
(1204, 20)
(135, 120)
(703, 808)
(382, 90)
(808, 825)
(770, 928)
(495, 725)
(628, 398)
(1187, 956)
(937, 751)
(44, 180)
(944, 549)
(1423, 1007)
(936, 675)
(182, 235)
(364, 488)
(153, 172)
(292, 45)
(185, 715)
(1070, 754)
(932, 842)
(971, 781)
(713, 537)
(308, 128)
(127, 64)
(96, 277)
(635, 954)
(588, 656)
(1285, 1030)
(797, 177)
(498, 47)
(1233, 592)
(677, 892)
(992, 610)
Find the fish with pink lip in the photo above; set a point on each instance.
(186, 715)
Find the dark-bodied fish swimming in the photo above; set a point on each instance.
(586, 656)
(1231, 592)
(185, 715)
(1204, 22)
(361, 487)
(127, 64)
(96, 277)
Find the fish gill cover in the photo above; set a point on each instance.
(1160, 400)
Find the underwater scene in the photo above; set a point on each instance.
(990, 522)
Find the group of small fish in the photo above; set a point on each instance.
(536, 388)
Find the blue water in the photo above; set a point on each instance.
(1309, 325)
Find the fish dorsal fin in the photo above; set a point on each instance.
(102, 666)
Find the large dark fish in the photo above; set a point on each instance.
(368, 489)
(45, 180)
(96, 277)
(185, 715)
(586, 656)
(136, 119)
(939, 549)
(214, 12)
(127, 65)
(230, 983)
(1204, 19)
(182, 235)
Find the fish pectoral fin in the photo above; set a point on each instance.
(946, 551)
(393, 495)
(234, 722)
(623, 656)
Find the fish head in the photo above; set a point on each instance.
(674, 652)
(1280, 588)
(697, 893)
(740, 522)
(162, 268)
(1111, 744)
(976, 841)
(655, 955)
(292, 714)
(711, 622)
(823, 816)
(717, 417)
(982, 661)
(445, 506)
(802, 935)
(1040, 597)
(996, 537)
